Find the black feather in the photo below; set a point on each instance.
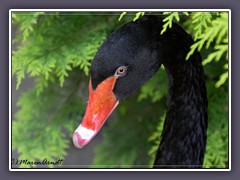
(139, 46)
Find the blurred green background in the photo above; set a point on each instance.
(54, 51)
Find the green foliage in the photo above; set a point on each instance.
(37, 130)
(121, 16)
(218, 31)
(56, 49)
(169, 19)
(27, 21)
(52, 49)
(68, 47)
(137, 15)
(156, 88)
(217, 143)
(222, 80)
(155, 140)
(211, 29)
(201, 21)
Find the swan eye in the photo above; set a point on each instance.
(121, 71)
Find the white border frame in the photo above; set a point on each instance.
(114, 10)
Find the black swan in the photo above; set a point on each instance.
(126, 60)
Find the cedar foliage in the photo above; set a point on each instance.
(56, 49)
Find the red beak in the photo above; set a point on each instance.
(101, 104)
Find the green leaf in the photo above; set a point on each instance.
(27, 22)
(201, 21)
(121, 16)
(220, 51)
(137, 16)
(168, 20)
(218, 31)
(222, 80)
(155, 89)
(186, 13)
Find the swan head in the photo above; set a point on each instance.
(126, 60)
